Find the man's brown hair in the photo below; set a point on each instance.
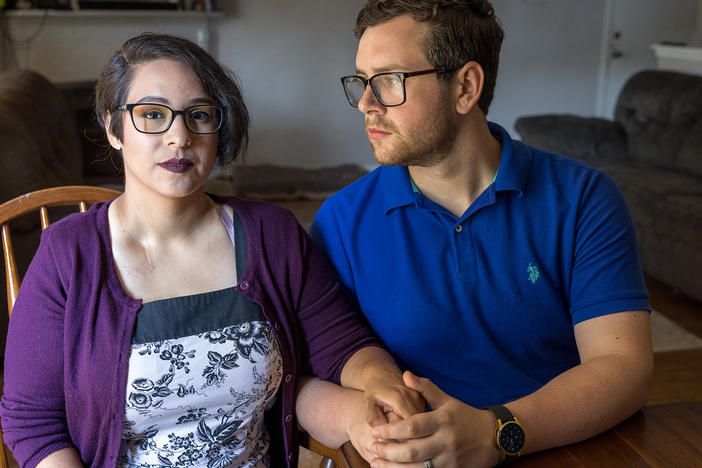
(460, 31)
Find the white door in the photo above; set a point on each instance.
(631, 27)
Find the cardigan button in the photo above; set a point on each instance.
(288, 378)
(288, 418)
(244, 285)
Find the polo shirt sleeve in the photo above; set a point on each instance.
(33, 408)
(606, 274)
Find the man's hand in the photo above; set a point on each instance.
(452, 434)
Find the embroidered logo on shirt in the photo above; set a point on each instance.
(533, 273)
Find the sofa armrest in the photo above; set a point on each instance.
(578, 137)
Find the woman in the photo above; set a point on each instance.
(169, 327)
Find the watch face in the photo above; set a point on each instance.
(511, 438)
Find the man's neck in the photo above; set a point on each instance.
(462, 175)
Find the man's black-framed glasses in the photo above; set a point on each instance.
(151, 118)
(388, 88)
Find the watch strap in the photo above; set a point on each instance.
(501, 413)
(503, 416)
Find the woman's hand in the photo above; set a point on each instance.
(386, 393)
(358, 427)
(333, 415)
(374, 371)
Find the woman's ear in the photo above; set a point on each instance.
(471, 79)
(114, 141)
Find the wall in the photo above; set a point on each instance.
(67, 47)
(550, 58)
(290, 55)
(635, 25)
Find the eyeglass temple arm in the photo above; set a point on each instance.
(426, 72)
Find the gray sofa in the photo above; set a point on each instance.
(653, 151)
(39, 148)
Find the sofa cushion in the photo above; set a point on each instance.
(39, 144)
(682, 214)
(665, 202)
(667, 211)
(588, 139)
(272, 182)
(659, 110)
(690, 158)
(653, 180)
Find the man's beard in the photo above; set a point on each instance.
(426, 147)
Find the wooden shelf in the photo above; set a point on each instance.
(35, 14)
(685, 59)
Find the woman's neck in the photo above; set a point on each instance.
(151, 218)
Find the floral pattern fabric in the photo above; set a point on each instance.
(199, 401)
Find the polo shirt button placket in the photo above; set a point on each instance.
(459, 228)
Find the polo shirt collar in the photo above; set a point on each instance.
(515, 162)
(396, 187)
(513, 173)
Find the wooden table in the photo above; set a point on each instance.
(668, 435)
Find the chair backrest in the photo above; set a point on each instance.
(41, 200)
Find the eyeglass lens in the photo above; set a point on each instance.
(155, 118)
(387, 87)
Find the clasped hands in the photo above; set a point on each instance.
(397, 432)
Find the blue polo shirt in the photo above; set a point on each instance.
(484, 304)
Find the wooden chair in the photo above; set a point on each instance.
(81, 196)
(40, 201)
(345, 456)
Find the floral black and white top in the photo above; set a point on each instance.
(202, 371)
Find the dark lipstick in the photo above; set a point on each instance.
(177, 165)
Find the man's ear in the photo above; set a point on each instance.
(470, 80)
(114, 141)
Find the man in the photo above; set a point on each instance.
(505, 276)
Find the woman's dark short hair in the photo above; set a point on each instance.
(218, 82)
(460, 31)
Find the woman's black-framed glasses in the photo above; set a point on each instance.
(151, 118)
(388, 88)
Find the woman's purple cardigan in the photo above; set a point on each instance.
(70, 333)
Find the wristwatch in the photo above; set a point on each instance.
(509, 434)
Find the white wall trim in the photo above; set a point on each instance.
(605, 58)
